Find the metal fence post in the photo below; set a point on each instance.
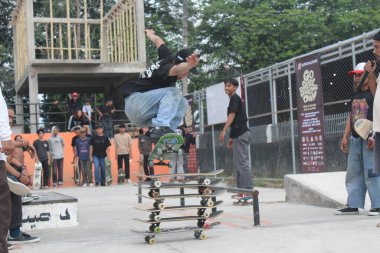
(213, 147)
(292, 120)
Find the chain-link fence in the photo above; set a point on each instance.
(271, 102)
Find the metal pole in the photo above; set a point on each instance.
(292, 120)
(246, 110)
(213, 147)
(201, 114)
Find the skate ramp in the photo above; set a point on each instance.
(318, 189)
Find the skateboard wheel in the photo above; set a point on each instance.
(197, 234)
(152, 240)
(206, 214)
(151, 164)
(157, 218)
(207, 181)
(155, 194)
(161, 206)
(207, 191)
(210, 203)
(151, 228)
(157, 183)
(202, 237)
(157, 230)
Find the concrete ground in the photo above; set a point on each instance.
(106, 219)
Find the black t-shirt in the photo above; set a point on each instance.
(42, 147)
(106, 110)
(74, 106)
(239, 125)
(100, 145)
(361, 107)
(155, 77)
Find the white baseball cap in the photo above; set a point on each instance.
(359, 69)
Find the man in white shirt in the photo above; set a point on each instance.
(373, 84)
(6, 148)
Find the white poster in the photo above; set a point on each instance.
(217, 103)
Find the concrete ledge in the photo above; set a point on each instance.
(318, 189)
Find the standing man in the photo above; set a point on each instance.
(153, 99)
(145, 148)
(99, 150)
(360, 177)
(105, 117)
(123, 151)
(43, 154)
(373, 84)
(239, 135)
(6, 147)
(82, 145)
(57, 145)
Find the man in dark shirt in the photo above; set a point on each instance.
(360, 177)
(153, 99)
(99, 150)
(239, 135)
(105, 116)
(43, 154)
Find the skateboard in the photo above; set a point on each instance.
(108, 171)
(154, 227)
(120, 177)
(198, 232)
(164, 149)
(364, 128)
(202, 178)
(77, 171)
(243, 201)
(201, 210)
(213, 181)
(37, 176)
(205, 198)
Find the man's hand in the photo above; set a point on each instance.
(221, 136)
(25, 180)
(371, 143)
(192, 60)
(230, 142)
(7, 147)
(150, 32)
(344, 146)
(370, 66)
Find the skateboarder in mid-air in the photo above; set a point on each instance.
(153, 99)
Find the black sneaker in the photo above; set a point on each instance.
(10, 246)
(347, 211)
(23, 239)
(157, 132)
(374, 212)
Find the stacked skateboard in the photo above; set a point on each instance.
(200, 187)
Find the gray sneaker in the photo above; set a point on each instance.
(23, 239)
(17, 187)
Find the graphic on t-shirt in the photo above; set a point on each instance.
(360, 109)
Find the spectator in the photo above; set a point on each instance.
(87, 112)
(76, 120)
(123, 151)
(74, 104)
(43, 154)
(57, 145)
(82, 145)
(99, 150)
(189, 139)
(145, 148)
(105, 117)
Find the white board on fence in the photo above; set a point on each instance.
(217, 102)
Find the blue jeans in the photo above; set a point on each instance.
(163, 107)
(359, 165)
(100, 169)
(108, 127)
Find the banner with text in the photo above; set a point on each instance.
(310, 114)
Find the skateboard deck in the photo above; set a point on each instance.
(77, 172)
(148, 185)
(37, 176)
(180, 218)
(174, 208)
(166, 145)
(190, 195)
(198, 231)
(364, 128)
(108, 172)
(201, 175)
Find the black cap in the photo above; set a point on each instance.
(121, 126)
(99, 126)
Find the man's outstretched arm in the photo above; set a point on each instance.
(151, 34)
